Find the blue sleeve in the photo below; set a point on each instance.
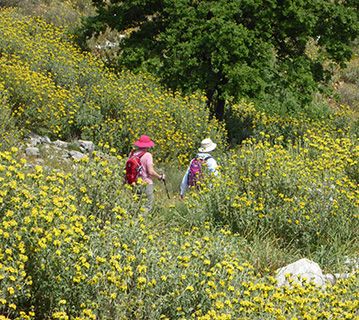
(184, 183)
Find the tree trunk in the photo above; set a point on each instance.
(209, 95)
(219, 109)
(215, 105)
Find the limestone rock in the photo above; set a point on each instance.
(300, 270)
(60, 144)
(45, 139)
(35, 139)
(32, 152)
(86, 146)
(342, 275)
(76, 155)
(331, 278)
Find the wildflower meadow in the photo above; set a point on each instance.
(76, 243)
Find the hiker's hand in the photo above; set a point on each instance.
(163, 177)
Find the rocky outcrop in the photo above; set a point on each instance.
(35, 140)
(37, 146)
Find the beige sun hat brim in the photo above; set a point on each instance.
(209, 148)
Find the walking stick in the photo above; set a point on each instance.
(168, 195)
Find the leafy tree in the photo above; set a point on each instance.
(232, 48)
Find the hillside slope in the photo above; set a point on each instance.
(57, 90)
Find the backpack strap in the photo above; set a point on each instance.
(140, 155)
(205, 159)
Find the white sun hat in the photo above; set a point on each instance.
(207, 145)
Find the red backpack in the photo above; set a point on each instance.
(133, 167)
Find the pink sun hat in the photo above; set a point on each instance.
(144, 142)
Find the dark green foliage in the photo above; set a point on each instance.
(235, 49)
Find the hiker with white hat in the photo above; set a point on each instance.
(194, 171)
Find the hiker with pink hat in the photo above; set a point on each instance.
(194, 172)
(140, 165)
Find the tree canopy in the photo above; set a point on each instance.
(235, 49)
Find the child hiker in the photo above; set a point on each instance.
(194, 171)
(140, 165)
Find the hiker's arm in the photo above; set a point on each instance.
(153, 173)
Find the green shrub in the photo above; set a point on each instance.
(305, 194)
(8, 132)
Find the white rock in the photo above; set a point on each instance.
(300, 270)
(76, 155)
(60, 144)
(87, 146)
(45, 139)
(342, 275)
(35, 139)
(331, 278)
(32, 152)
